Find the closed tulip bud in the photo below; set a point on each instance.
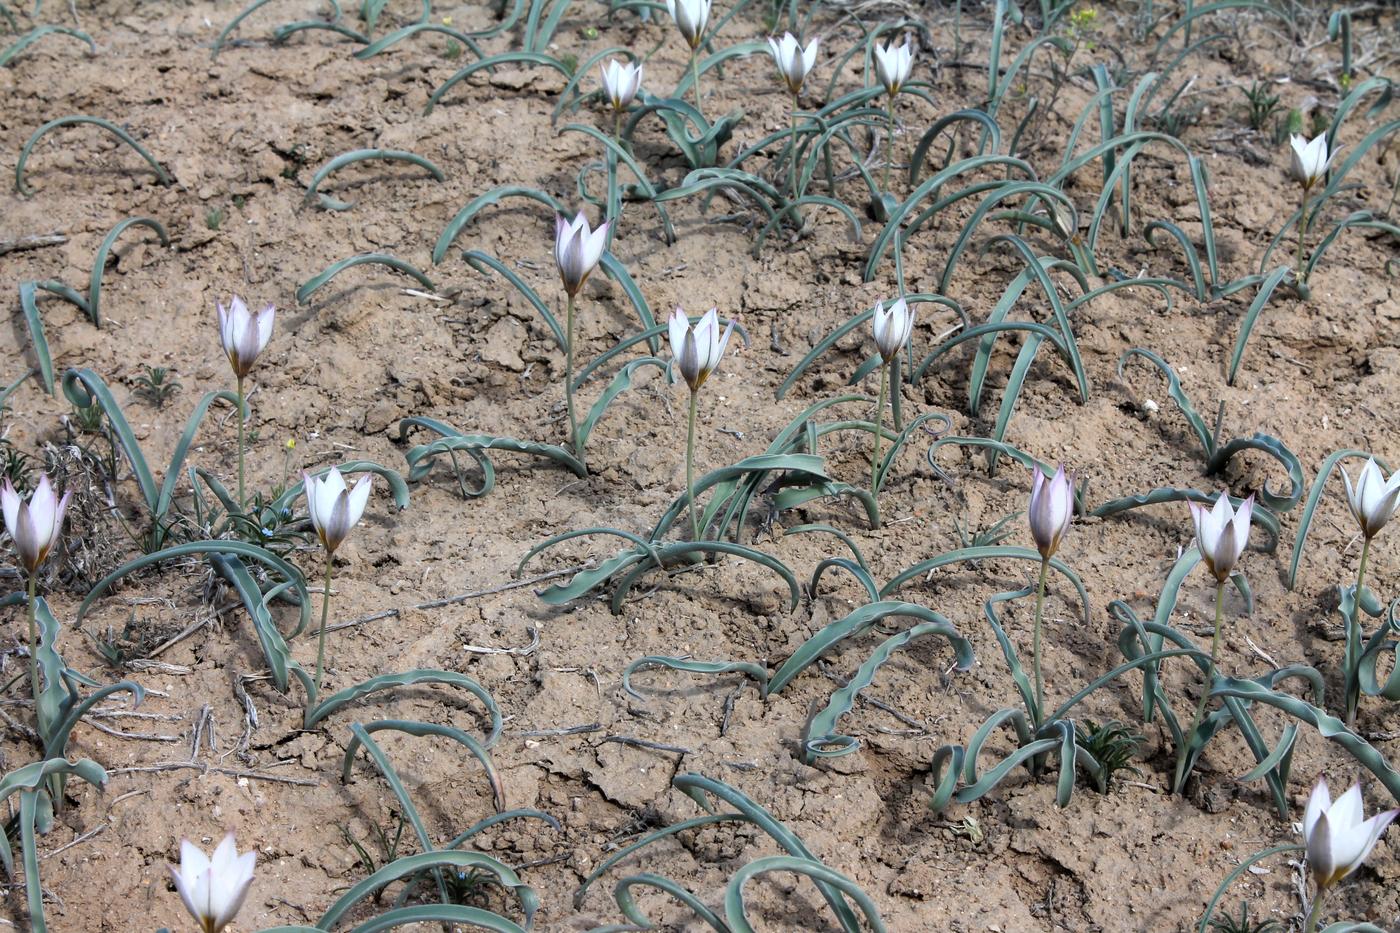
(697, 350)
(335, 509)
(794, 62)
(621, 82)
(243, 334)
(893, 65)
(1051, 510)
(1336, 836)
(577, 250)
(213, 889)
(892, 326)
(691, 16)
(1310, 160)
(1221, 533)
(34, 525)
(1373, 500)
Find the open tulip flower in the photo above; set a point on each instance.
(1374, 500)
(243, 336)
(891, 326)
(1337, 839)
(1049, 514)
(213, 889)
(621, 82)
(1221, 535)
(697, 351)
(1309, 159)
(1309, 162)
(335, 509)
(793, 61)
(691, 17)
(35, 527)
(577, 250)
(893, 65)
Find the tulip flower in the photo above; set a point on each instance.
(891, 326)
(1221, 535)
(793, 61)
(697, 351)
(1309, 164)
(334, 511)
(1337, 839)
(34, 526)
(691, 16)
(1049, 514)
(213, 889)
(576, 252)
(243, 336)
(893, 65)
(621, 82)
(1310, 159)
(1374, 500)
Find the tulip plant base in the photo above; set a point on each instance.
(242, 136)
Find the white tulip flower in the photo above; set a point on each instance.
(1051, 510)
(335, 509)
(891, 326)
(697, 350)
(213, 889)
(1373, 499)
(691, 17)
(35, 525)
(793, 61)
(243, 334)
(1310, 159)
(1337, 837)
(893, 65)
(1222, 533)
(577, 250)
(621, 82)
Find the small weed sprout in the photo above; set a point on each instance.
(1261, 106)
(1113, 744)
(156, 385)
(214, 217)
(1242, 923)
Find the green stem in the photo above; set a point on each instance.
(617, 126)
(569, 382)
(242, 500)
(1187, 736)
(1315, 914)
(879, 430)
(690, 468)
(792, 158)
(896, 412)
(1035, 643)
(1352, 654)
(695, 81)
(34, 638)
(1302, 229)
(321, 637)
(889, 146)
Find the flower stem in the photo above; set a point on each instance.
(617, 126)
(1315, 914)
(1302, 230)
(569, 382)
(1352, 653)
(1038, 712)
(889, 145)
(690, 468)
(695, 81)
(242, 403)
(879, 430)
(321, 637)
(34, 639)
(792, 159)
(1187, 736)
